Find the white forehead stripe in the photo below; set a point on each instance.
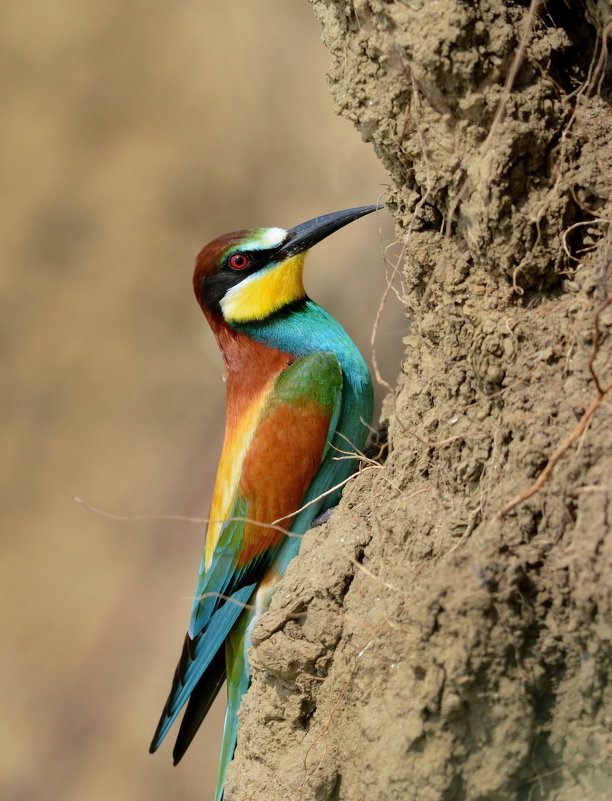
(268, 238)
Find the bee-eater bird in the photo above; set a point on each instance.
(298, 396)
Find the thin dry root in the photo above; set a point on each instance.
(602, 390)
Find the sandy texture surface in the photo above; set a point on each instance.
(447, 635)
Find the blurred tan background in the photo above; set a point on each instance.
(133, 133)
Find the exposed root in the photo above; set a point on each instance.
(576, 433)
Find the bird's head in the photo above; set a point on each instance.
(249, 275)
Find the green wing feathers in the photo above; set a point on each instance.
(291, 438)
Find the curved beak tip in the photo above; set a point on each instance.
(307, 234)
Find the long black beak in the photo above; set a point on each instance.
(307, 234)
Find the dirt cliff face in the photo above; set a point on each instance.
(447, 635)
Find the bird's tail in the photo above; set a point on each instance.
(237, 646)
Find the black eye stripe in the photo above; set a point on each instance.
(255, 261)
(214, 287)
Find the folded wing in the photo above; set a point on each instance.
(280, 454)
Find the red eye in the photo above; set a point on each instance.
(238, 261)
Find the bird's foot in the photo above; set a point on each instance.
(322, 518)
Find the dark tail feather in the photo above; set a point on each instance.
(201, 660)
(200, 701)
(171, 709)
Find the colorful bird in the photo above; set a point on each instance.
(299, 395)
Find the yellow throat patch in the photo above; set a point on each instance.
(263, 293)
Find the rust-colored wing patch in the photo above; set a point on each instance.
(282, 460)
